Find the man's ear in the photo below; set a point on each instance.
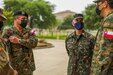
(15, 17)
(105, 4)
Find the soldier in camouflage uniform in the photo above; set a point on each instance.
(20, 41)
(79, 46)
(103, 51)
(5, 67)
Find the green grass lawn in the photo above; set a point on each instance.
(60, 37)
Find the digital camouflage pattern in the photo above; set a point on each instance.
(103, 52)
(5, 68)
(21, 54)
(80, 51)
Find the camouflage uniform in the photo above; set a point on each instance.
(5, 68)
(21, 54)
(80, 50)
(103, 51)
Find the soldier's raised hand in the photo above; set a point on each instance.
(14, 39)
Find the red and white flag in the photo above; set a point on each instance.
(108, 34)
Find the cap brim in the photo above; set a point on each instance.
(78, 17)
(96, 1)
(4, 18)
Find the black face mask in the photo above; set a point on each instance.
(1, 25)
(97, 10)
(23, 23)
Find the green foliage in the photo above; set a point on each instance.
(60, 37)
(40, 11)
(92, 20)
(53, 37)
(67, 23)
(15, 5)
(8, 14)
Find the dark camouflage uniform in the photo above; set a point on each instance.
(21, 55)
(5, 68)
(102, 63)
(80, 50)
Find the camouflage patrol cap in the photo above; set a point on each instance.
(20, 13)
(76, 16)
(1, 14)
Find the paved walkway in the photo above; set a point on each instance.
(51, 61)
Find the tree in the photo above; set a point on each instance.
(40, 11)
(91, 19)
(67, 23)
(15, 5)
(43, 18)
(8, 14)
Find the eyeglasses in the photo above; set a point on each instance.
(22, 18)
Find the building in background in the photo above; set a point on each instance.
(61, 15)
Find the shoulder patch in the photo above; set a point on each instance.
(34, 32)
(108, 33)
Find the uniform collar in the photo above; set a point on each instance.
(83, 34)
(108, 15)
(17, 30)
